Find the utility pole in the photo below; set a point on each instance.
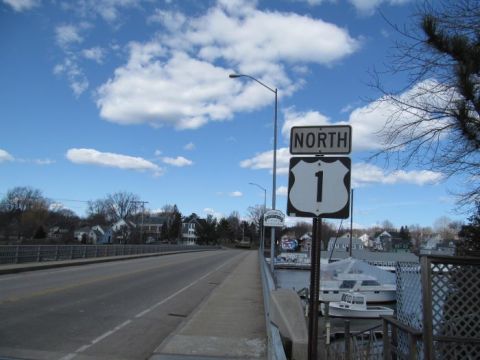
(143, 212)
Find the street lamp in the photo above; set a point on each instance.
(274, 185)
(262, 245)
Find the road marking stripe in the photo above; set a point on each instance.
(144, 312)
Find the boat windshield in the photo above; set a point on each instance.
(347, 284)
(370, 283)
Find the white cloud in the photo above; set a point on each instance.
(282, 191)
(179, 161)
(158, 152)
(217, 215)
(190, 146)
(368, 121)
(180, 77)
(66, 35)
(367, 7)
(94, 157)
(44, 161)
(96, 54)
(309, 118)
(236, 194)
(22, 5)
(75, 75)
(366, 174)
(265, 161)
(5, 156)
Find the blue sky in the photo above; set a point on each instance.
(100, 96)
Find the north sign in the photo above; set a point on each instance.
(319, 187)
(321, 140)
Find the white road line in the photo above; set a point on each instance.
(140, 314)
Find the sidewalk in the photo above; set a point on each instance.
(230, 324)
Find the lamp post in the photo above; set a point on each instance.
(262, 244)
(274, 180)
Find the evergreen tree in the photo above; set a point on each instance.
(470, 235)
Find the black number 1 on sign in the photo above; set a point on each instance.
(319, 176)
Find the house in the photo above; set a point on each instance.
(94, 235)
(343, 243)
(82, 234)
(57, 233)
(366, 240)
(189, 231)
(122, 230)
(391, 241)
(101, 235)
(306, 242)
(152, 228)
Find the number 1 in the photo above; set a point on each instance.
(319, 176)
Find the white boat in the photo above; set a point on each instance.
(355, 275)
(354, 305)
(331, 290)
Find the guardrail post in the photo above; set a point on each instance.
(71, 252)
(56, 252)
(96, 250)
(38, 253)
(16, 254)
(84, 251)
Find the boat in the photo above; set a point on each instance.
(354, 305)
(375, 292)
(378, 286)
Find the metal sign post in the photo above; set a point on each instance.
(314, 289)
(318, 187)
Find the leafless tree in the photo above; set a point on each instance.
(120, 205)
(436, 123)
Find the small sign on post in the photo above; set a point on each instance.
(273, 218)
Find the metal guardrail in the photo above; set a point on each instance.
(16, 254)
(275, 346)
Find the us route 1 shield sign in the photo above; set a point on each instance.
(319, 186)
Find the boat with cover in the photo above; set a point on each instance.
(354, 305)
(350, 274)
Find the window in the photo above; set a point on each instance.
(370, 283)
(347, 284)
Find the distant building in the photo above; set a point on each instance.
(189, 231)
(152, 228)
(343, 243)
(57, 233)
(94, 235)
(122, 230)
(391, 241)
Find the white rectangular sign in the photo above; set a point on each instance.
(321, 140)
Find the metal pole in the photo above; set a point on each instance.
(274, 185)
(351, 223)
(314, 289)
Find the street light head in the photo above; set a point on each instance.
(233, 76)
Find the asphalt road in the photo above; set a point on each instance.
(118, 310)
